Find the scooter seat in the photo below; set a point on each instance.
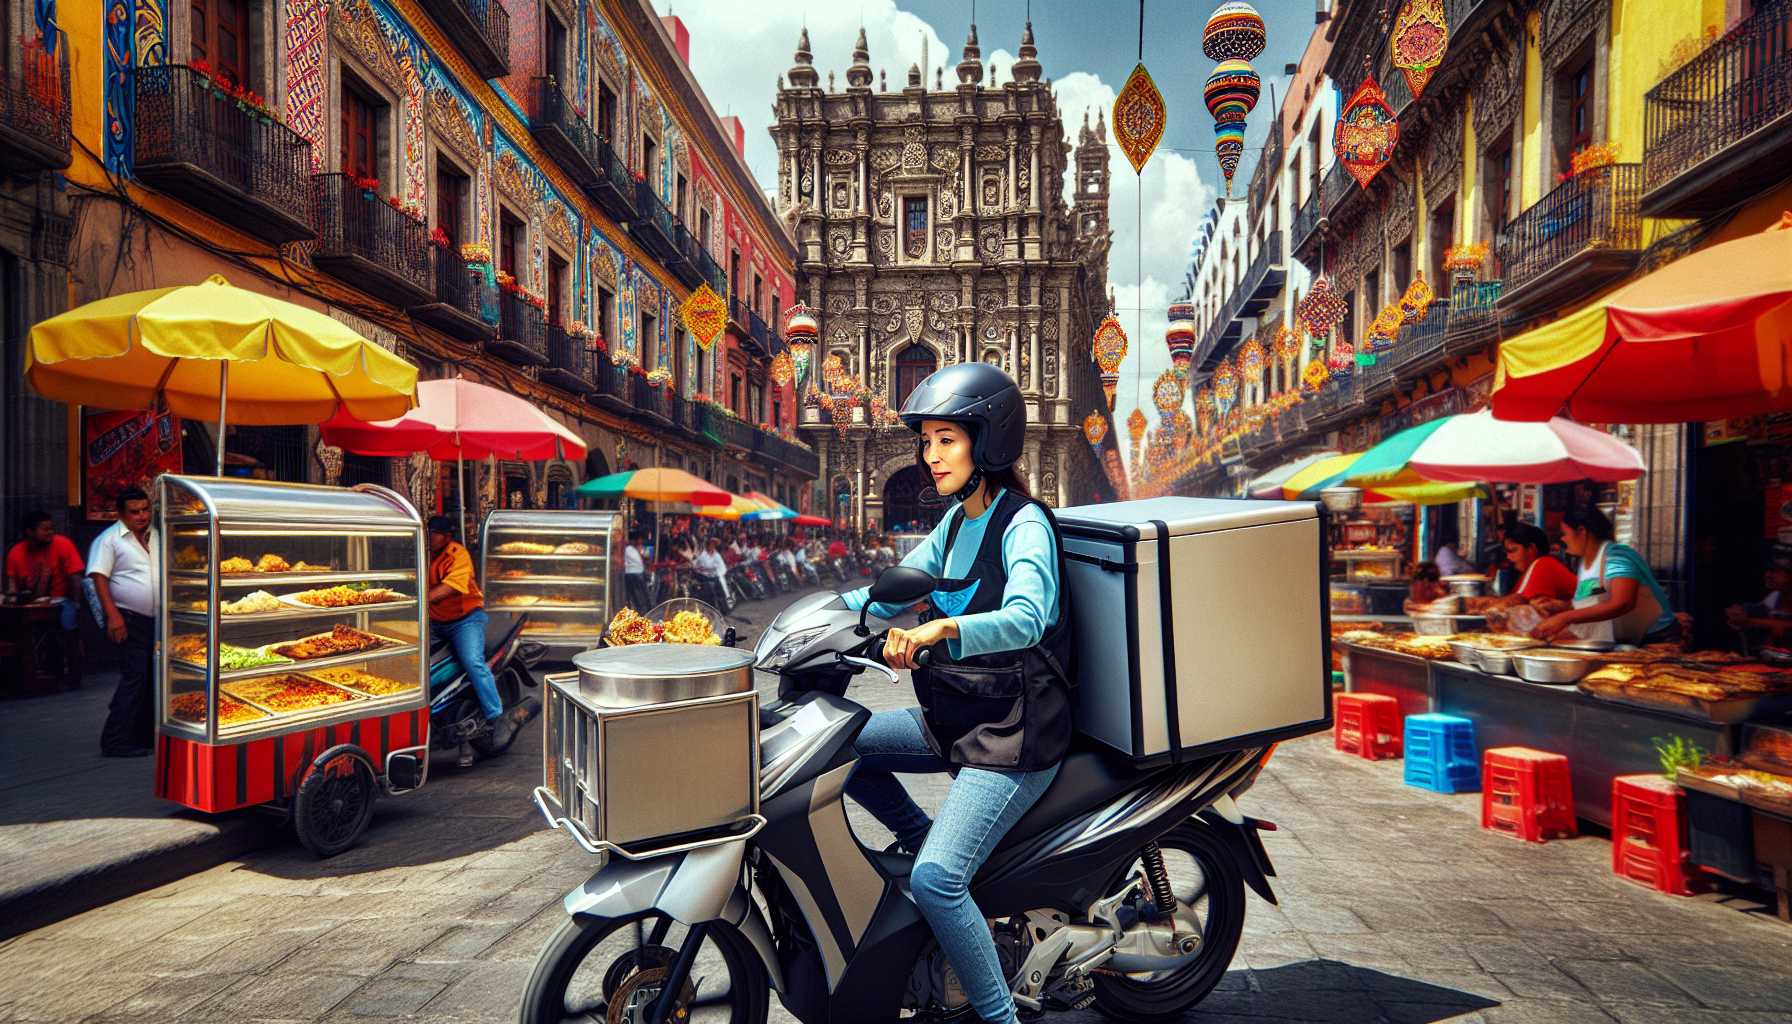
(1091, 774)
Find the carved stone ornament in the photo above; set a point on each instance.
(992, 191)
(840, 157)
(838, 241)
(992, 243)
(943, 301)
(355, 26)
(990, 153)
(603, 265)
(1496, 101)
(1049, 329)
(1051, 367)
(885, 203)
(452, 127)
(1400, 212)
(884, 158)
(842, 193)
(943, 242)
(914, 318)
(995, 357)
(1567, 24)
(914, 158)
(558, 225)
(884, 305)
(512, 180)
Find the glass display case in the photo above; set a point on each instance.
(563, 569)
(286, 607)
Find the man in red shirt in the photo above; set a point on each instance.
(45, 564)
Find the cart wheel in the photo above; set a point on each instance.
(333, 804)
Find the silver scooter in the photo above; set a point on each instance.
(1121, 887)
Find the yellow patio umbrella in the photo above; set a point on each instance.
(738, 505)
(1333, 471)
(213, 349)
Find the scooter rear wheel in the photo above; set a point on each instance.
(1206, 881)
(574, 979)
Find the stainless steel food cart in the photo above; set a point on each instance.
(563, 569)
(292, 654)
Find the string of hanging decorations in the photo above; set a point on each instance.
(1109, 349)
(1320, 311)
(1179, 338)
(1233, 37)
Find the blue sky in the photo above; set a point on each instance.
(1088, 47)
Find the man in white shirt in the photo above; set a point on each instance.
(127, 574)
(634, 572)
(710, 564)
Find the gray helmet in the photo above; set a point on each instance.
(980, 396)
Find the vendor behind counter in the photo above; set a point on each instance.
(1616, 595)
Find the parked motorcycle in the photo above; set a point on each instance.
(1122, 887)
(455, 716)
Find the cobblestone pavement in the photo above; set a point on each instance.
(1395, 907)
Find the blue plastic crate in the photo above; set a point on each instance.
(1441, 754)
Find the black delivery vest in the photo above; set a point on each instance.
(1006, 709)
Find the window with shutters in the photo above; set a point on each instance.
(554, 40)
(606, 112)
(914, 227)
(362, 114)
(511, 256)
(452, 189)
(219, 30)
(558, 271)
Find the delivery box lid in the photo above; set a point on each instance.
(1137, 520)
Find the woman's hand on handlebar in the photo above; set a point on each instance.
(901, 646)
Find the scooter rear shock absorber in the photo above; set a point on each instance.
(1158, 878)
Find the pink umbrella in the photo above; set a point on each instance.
(459, 419)
(1477, 447)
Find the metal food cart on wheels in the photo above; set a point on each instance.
(561, 568)
(291, 657)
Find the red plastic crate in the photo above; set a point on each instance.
(1648, 833)
(1367, 725)
(1527, 794)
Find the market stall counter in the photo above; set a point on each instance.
(289, 665)
(563, 569)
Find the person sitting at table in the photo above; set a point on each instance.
(1544, 583)
(45, 566)
(1766, 620)
(1616, 595)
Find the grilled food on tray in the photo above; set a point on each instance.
(575, 547)
(364, 681)
(347, 596)
(514, 574)
(190, 707)
(232, 565)
(339, 640)
(631, 627)
(289, 692)
(272, 563)
(250, 604)
(188, 556)
(689, 627)
(525, 547)
(514, 600)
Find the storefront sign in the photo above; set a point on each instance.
(120, 450)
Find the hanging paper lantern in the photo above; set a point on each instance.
(1314, 377)
(1139, 118)
(1251, 359)
(1179, 338)
(1417, 300)
(801, 328)
(1321, 310)
(1234, 32)
(1109, 349)
(1110, 383)
(1225, 386)
(1095, 429)
(1228, 147)
(1135, 425)
(1232, 91)
(1367, 133)
(783, 370)
(1182, 430)
(1166, 393)
(1417, 44)
(1286, 352)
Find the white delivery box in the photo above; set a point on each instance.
(1201, 623)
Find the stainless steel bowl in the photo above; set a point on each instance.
(1342, 499)
(1465, 653)
(1466, 586)
(1551, 669)
(1495, 660)
(1599, 646)
(662, 673)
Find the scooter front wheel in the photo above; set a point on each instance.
(610, 970)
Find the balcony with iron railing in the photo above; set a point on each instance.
(679, 411)
(1474, 314)
(683, 262)
(522, 331)
(650, 398)
(34, 106)
(1334, 188)
(220, 156)
(1719, 129)
(611, 387)
(711, 271)
(563, 133)
(1263, 279)
(1586, 232)
(653, 225)
(1304, 233)
(460, 301)
(480, 29)
(569, 361)
(363, 241)
(770, 446)
(614, 187)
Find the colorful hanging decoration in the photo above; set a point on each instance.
(1420, 37)
(801, 328)
(705, 315)
(1234, 32)
(1286, 352)
(1314, 378)
(1109, 348)
(846, 398)
(1135, 425)
(1251, 359)
(1095, 430)
(1367, 133)
(1139, 118)
(782, 369)
(876, 406)
(1417, 300)
(1204, 408)
(1179, 338)
(1231, 93)
(1322, 310)
(1384, 330)
(832, 369)
(1225, 386)
(1167, 393)
(1343, 361)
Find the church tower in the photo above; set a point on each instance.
(1092, 184)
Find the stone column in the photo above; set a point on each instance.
(1033, 178)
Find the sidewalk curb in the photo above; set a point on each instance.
(76, 892)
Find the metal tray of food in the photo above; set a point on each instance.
(660, 673)
(1721, 712)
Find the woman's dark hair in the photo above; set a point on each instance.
(29, 520)
(1528, 535)
(1591, 520)
(1425, 571)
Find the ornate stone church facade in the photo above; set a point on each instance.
(932, 227)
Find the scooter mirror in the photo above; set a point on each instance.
(901, 584)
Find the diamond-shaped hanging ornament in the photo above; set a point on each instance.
(1095, 429)
(1416, 46)
(705, 315)
(1109, 343)
(1321, 310)
(1135, 425)
(1139, 118)
(1367, 132)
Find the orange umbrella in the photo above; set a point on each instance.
(1706, 337)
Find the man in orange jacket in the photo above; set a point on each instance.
(457, 615)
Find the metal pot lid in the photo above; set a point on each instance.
(663, 661)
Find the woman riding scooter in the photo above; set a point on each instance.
(990, 665)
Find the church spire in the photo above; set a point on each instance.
(970, 68)
(802, 73)
(858, 76)
(1027, 68)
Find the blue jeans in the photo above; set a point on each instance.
(466, 636)
(980, 808)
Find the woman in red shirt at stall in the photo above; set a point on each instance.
(1545, 583)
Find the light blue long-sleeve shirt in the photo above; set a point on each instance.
(1029, 601)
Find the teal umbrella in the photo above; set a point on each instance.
(1388, 463)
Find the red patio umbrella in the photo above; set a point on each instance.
(809, 520)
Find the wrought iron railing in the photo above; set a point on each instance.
(1335, 187)
(759, 332)
(462, 287)
(651, 398)
(555, 113)
(1306, 221)
(711, 271)
(569, 355)
(487, 17)
(354, 221)
(1737, 85)
(615, 182)
(523, 325)
(1473, 314)
(34, 97)
(652, 212)
(610, 380)
(182, 117)
(1596, 209)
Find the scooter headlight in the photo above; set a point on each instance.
(788, 647)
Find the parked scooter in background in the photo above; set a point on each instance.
(455, 717)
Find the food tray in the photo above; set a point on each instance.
(292, 600)
(544, 606)
(177, 711)
(1722, 712)
(1696, 781)
(256, 579)
(384, 642)
(255, 692)
(534, 580)
(355, 688)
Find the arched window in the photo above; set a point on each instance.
(913, 365)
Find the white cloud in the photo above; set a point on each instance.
(737, 52)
